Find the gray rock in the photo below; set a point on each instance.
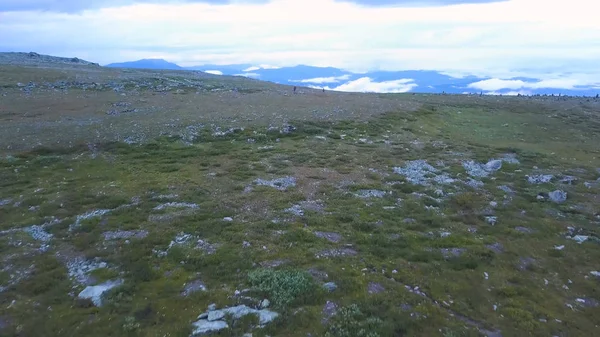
(588, 302)
(475, 169)
(94, 293)
(202, 327)
(497, 247)
(330, 286)
(193, 287)
(492, 220)
(176, 205)
(493, 165)
(370, 194)
(134, 234)
(419, 172)
(523, 229)
(375, 288)
(264, 316)
(295, 210)
(265, 304)
(525, 263)
(474, 183)
(212, 307)
(329, 310)
(336, 252)
(228, 219)
(452, 252)
(215, 315)
(558, 196)
(540, 178)
(330, 236)
(569, 180)
(506, 189)
(273, 263)
(281, 184)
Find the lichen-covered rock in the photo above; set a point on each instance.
(558, 196)
(94, 293)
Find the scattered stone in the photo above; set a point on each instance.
(79, 269)
(569, 180)
(419, 172)
(94, 293)
(336, 252)
(588, 302)
(474, 183)
(280, 184)
(38, 233)
(193, 287)
(497, 247)
(265, 304)
(525, 263)
(523, 229)
(370, 194)
(228, 219)
(88, 215)
(452, 252)
(246, 244)
(479, 170)
(176, 205)
(445, 234)
(510, 158)
(492, 220)
(540, 179)
(595, 273)
(208, 248)
(330, 286)
(273, 264)
(332, 237)
(318, 274)
(295, 210)
(375, 288)
(493, 165)
(558, 196)
(5, 202)
(409, 220)
(119, 235)
(202, 327)
(506, 189)
(580, 238)
(215, 315)
(329, 310)
(561, 247)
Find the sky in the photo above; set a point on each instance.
(549, 40)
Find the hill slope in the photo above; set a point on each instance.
(146, 64)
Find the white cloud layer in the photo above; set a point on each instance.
(214, 72)
(495, 84)
(495, 39)
(365, 84)
(321, 80)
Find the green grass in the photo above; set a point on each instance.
(214, 173)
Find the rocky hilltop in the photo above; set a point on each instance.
(32, 58)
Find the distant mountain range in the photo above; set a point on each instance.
(424, 81)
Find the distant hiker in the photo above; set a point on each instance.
(323, 89)
(597, 95)
(294, 89)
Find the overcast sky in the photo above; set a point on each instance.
(497, 38)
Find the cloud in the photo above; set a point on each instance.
(495, 39)
(321, 80)
(214, 72)
(495, 84)
(251, 75)
(262, 66)
(365, 84)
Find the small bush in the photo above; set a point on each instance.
(283, 287)
(351, 322)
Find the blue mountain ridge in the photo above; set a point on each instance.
(427, 81)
